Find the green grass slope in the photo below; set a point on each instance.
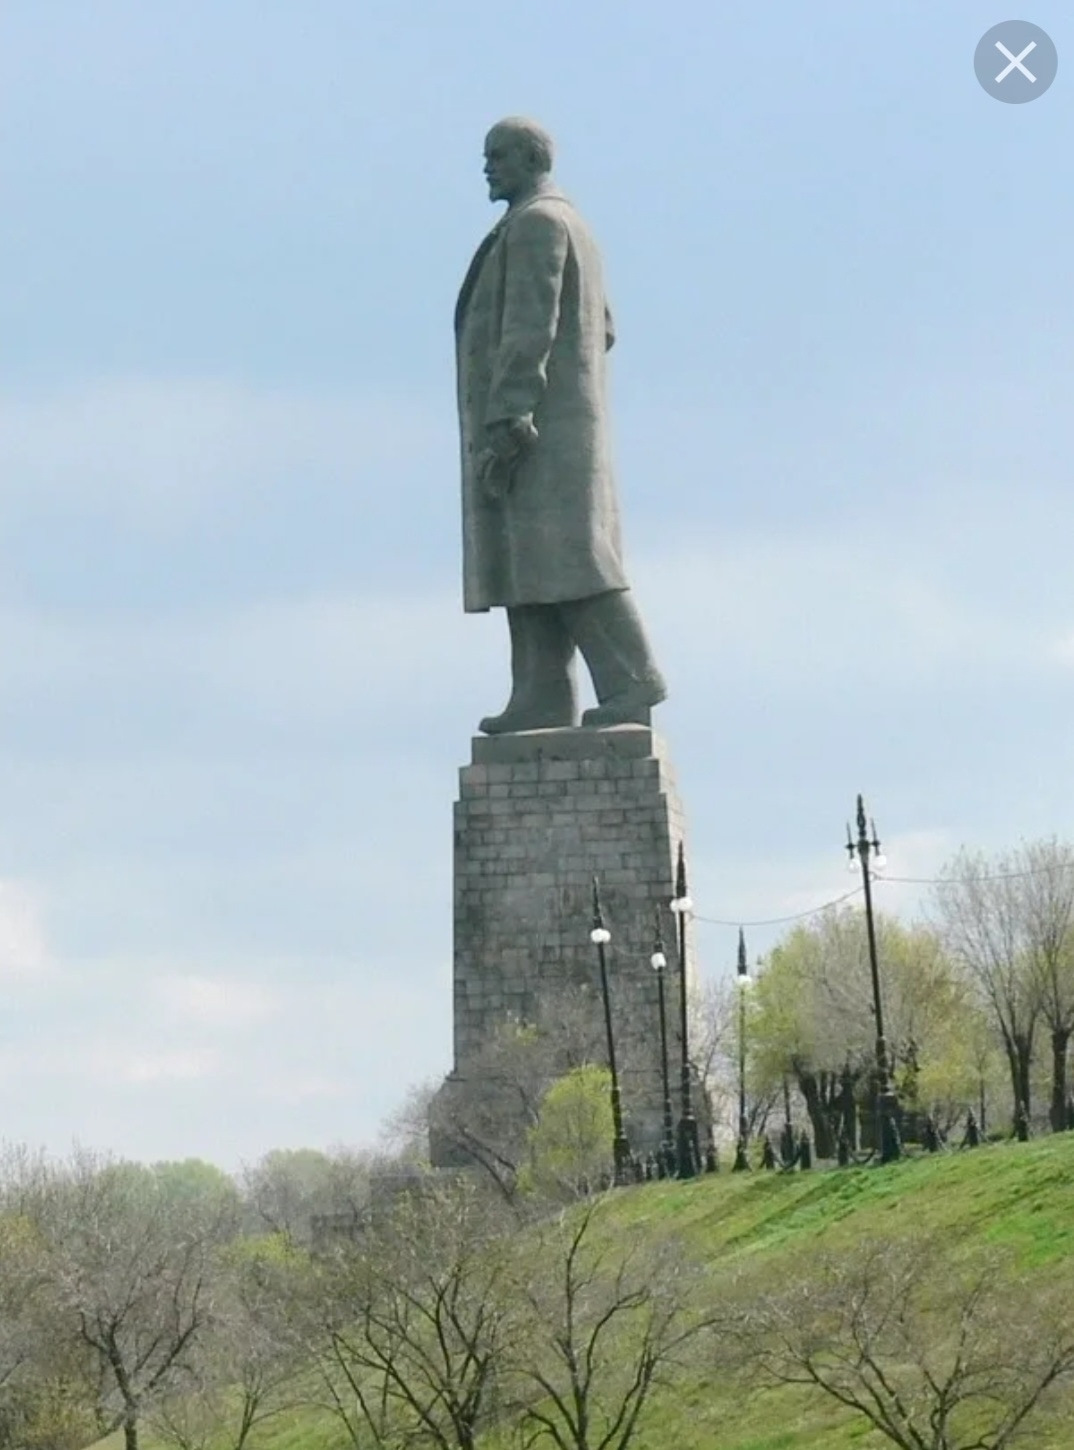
(1019, 1196)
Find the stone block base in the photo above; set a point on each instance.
(539, 815)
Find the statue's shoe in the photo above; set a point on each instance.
(511, 722)
(633, 707)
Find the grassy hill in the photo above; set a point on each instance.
(1019, 1196)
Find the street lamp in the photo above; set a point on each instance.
(659, 961)
(742, 981)
(864, 847)
(600, 936)
(689, 1148)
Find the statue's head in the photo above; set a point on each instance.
(518, 154)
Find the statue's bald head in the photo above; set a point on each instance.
(518, 153)
(532, 137)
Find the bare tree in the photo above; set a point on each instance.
(605, 1324)
(484, 1112)
(933, 1355)
(488, 1110)
(410, 1324)
(1010, 920)
(246, 1370)
(1048, 896)
(45, 1374)
(131, 1273)
(714, 1049)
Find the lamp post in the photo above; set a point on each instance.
(864, 848)
(659, 961)
(742, 981)
(600, 936)
(688, 1147)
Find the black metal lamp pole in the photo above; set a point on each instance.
(600, 936)
(890, 1146)
(688, 1147)
(742, 981)
(659, 962)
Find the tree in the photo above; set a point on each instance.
(25, 1341)
(485, 1114)
(603, 1324)
(409, 1325)
(714, 1044)
(967, 1069)
(246, 1370)
(288, 1187)
(933, 1354)
(44, 1380)
(1008, 920)
(812, 1014)
(570, 1146)
(130, 1269)
(1048, 897)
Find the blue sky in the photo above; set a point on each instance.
(236, 682)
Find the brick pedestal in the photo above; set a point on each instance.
(539, 814)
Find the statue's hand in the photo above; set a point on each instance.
(508, 439)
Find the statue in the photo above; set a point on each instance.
(541, 534)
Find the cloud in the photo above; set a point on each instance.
(790, 615)
(799, 613)
(302, 1089)
(296, 662)
(1061, 648)
(159, 451)
(74, 1050)
(151, 1067)
(215, 1002)
(24, 954)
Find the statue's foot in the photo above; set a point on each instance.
(532, 718)
(632, 707)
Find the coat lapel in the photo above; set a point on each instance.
(474, 269)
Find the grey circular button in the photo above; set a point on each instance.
(1015, 61)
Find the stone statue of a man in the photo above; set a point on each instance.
(540, 518)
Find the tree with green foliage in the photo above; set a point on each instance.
(812, 1014)
(570, 1146)
(287, 1188)
(933, 1353)
(487, 1111)
(965, 1068)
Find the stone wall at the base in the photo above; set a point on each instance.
(538, 816)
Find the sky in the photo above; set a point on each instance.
(236, 681)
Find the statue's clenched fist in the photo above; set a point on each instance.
(507, 441)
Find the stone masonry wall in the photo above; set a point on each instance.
(538, 815)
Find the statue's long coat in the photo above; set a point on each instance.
(532, 328)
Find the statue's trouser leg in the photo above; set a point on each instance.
(544, 690)
(608, 630)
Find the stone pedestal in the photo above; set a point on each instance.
(539, 814)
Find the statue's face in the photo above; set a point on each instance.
(508, 164)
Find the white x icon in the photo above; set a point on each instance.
(1015, 62)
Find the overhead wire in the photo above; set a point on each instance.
(880, 876)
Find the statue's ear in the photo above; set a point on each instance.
(609, 330)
